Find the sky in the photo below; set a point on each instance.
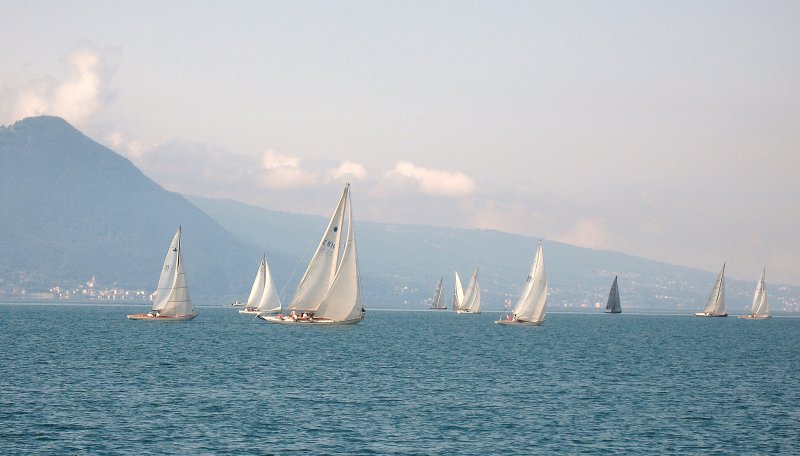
(667, 130)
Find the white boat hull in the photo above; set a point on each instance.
(306, 322)
(519, 323)
(248, 311)
(703, 314)
(755, 317)
(467, 312)
(149, 317)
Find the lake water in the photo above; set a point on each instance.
(84, 379)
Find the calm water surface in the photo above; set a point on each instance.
(84, 379)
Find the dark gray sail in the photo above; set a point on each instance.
(613, 305)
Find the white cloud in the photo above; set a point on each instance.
(431, 181)
(588, 232)
(133, 149)
(284, 172)
(281, 172)
(348, 169)
(76, 99)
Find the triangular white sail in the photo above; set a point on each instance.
(174, 299)
(533, 300)
(458, 293)
(438, 296)
(321, 270)
(472, 296)
(167, 277)
(760, 305)
(715, 307)
(258, 286)
(613, 305)
(270, 301)
(760, 308)
(342, 303)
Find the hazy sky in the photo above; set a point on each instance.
(668, 130)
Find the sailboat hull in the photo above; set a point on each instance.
(755, 317)
(703, 314)
(148, 317)
(467, 312)
(248, 311)
(613, 311)
(519, 323)
(302, 322)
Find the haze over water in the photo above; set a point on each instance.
(83, 379)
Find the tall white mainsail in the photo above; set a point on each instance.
(533, 300)
(760, 305)
(270, 301)
(342, 303)
(458, 293)
(167, 277)
(322, 269)
(172, 296)
(258, 286)
(472, 296)
(715, 307)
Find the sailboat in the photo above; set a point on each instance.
(613, 306)
(471, 303)
(760, 309)
(437, 303)
(171, 301)
(263, 296)
(530, 309)
(330, 290)
(458, 294)
(716, 300)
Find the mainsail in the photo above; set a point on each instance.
(613, 305)
(342, 302)
(458, 293)
(716, 300)
(321, 271)
(172, 296)
(438, 296)
(269, 301)
(472, 296)
(533, 300)
(760, 306)
(258, 286)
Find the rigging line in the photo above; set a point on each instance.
(297, 265)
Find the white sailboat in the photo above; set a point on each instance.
(471, 303)
(330, 290)
(437, 303)
(530, 309)
(171, 301)
(263, 296)
(715, 307)
(760, 309)
(458, 294)
(613, 306)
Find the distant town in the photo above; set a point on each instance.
(88, 291)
